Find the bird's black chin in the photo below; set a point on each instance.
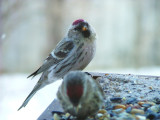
(86, 33)
(75, 101)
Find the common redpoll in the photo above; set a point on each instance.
(80, 95)
(74, 52)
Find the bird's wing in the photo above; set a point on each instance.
(63, 48)
(60, 52)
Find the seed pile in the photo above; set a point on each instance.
(128, 97)
(118, 108)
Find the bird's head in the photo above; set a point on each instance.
(75, 87)
(81, 29)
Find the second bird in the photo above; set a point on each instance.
(80, 95)
(74, 52)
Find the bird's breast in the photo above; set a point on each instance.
(85, 56)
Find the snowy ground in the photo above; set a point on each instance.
(14, 88)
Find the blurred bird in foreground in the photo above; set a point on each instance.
(74, 52)
(80, 95)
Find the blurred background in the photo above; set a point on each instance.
(128, 42)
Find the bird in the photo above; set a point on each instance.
(73, 52)
(80, 95)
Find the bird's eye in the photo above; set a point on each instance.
(77, 28)
(87, 24)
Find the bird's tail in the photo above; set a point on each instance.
(35, 89)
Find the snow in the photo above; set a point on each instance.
(14, 88)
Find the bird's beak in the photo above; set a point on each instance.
(77, 109)
(84, 28)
